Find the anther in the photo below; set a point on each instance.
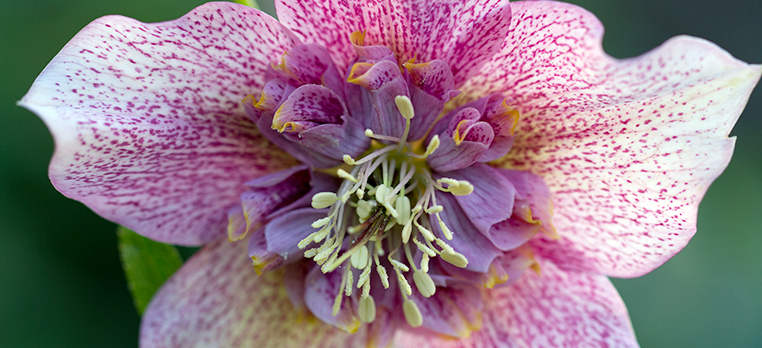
(328, 265)
(307, 241)
(405, 106)
(403, 283)
(360, 258)
(369, 133)
(455, 258)
(324, 200)
(364, 208)
(464, 188)
(341, 173)
(381, 193)
(412, 313)
(320, 223)
(350, 283)
(337, 304)
(365, 289)
(424, 283)
(426, 250)
(348, 160)
(384, 277)
(399, 265)
(406, 231)
(445, 230)
(442, 244)
(366, 309)
(456, 187)
(424, 231)
(434, 209)
(364, 277)
(311, 253)
(433, 145)
(425, 263)
(402, 205)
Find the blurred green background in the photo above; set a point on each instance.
(61, 284)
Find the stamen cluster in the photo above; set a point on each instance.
(378, 211)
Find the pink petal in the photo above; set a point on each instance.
(627, 147)
(465, 34)
(147, 119)
(556, 309)
(216, 300)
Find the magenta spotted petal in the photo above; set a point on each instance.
(407, 173)
(148, 124)
(628, 148)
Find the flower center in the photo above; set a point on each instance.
(374, 221)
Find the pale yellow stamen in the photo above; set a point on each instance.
(402, 205)
(424, 283)
(407, 230)
(383, 275)
(424, 231)
(399, 265)
(445, 230)
(366, 309)
(403, 283)
(455, 258)
(412, 313)
(341, 173)
(360, 258)
(321, 222)
(426, 250)
(405, 106)
(324, 200)
(425, 263)
(434, 210)
(456, 187)
(350, 284)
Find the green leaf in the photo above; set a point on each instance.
(250, 3)
(147, 264)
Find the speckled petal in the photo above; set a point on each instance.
(627, 147)
(306, 107)
(465, 34)
(431, 86)
(216, 300)
(147, 119)
(310, 64)
(556, 309)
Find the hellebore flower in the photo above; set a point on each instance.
(394, 167)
